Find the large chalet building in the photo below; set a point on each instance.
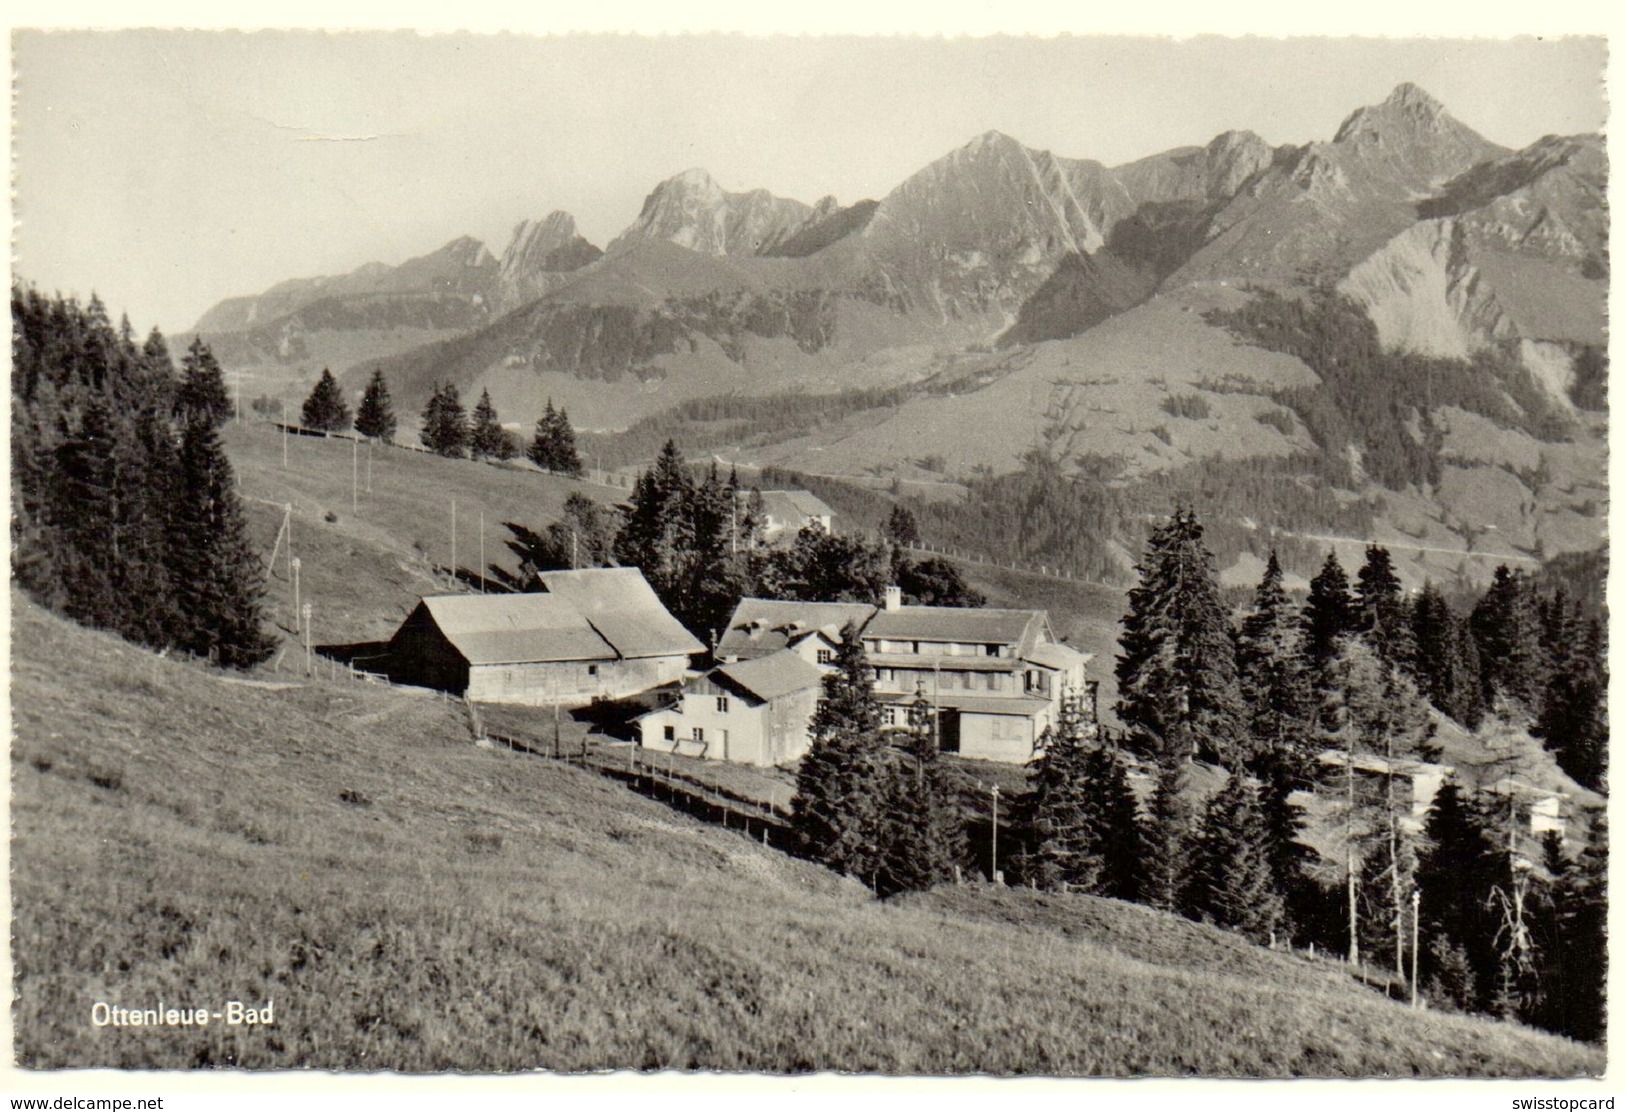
(995, 678)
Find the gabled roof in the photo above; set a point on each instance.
(761, 626)
(770, 677)
(793, 505)
(516, 629)
(1053, 654)
(623, 608)
(1388, 766)
(952, 623)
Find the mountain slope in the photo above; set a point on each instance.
(462, 269)
(412, 902)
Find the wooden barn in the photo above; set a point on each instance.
(595, 634)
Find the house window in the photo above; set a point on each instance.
(722, 704)
(888, 716)
(825, 656)
(592, 669)
(699, 733)
(671, 733)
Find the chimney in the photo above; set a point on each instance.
(894, 597)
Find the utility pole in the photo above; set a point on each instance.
(482, 550)
(355, 475)
(304, 612)
(287, 515)
(369, 465)
(1416, 945)
(454, 541)
(284, 445)
(1352, 864)
(293, 570)
(996, 877)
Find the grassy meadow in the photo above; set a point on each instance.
(410, 901)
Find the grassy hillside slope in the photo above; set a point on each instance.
(411, 901)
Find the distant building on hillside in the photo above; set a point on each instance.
(996, 677)
(755, 711)
(1415, 783)
(1534, 812)
(594, 634)
(784, 513)
(761, 627)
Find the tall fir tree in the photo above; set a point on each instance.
(1509, 631)
(445, 424)
(1328, 616)
(375, 417)
(1176, 672)
(657, 534)
(1166, 841)
(1273, 670)
(1232, 883)
(1573, 718)
(1381, 610)
(486, 439)
(924, 842)
(1065, 850)
(838, 813)
(218, 573)
(202, 391)
(1445, 662)
(1456, 869)
(325, 409)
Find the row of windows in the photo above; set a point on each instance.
(941, 648)
(670, 734)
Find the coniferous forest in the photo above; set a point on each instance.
(125, 514)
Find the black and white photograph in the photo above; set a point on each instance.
(897, 556)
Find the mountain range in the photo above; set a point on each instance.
(1088, 292)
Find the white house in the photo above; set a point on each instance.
(754, 711)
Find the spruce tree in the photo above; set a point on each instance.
(543, 450)
(1445, 662)
(375, 418)
(924, 842)
(1457, 867)
(901, 527)
(657, 534)
(445, 425)
(1111, 800)
(1329, 615)
(1165, 841)
(486, 439)
(202, 391)
(1507, 626)
(1573, 718)
(838, 811)
(1065, 849)
(325, 410)
(566, 459)
(1274, 677)
(1176, 672)
(1381, 611)
(1232, 882)
(218, 573)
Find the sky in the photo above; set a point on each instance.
(168, 170)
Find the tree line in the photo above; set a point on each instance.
(125, 513)
(1292, 700)
(448, 428)
(697, 538)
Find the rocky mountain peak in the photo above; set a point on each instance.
(693, 211)
(1409, 107)
(539, 253)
